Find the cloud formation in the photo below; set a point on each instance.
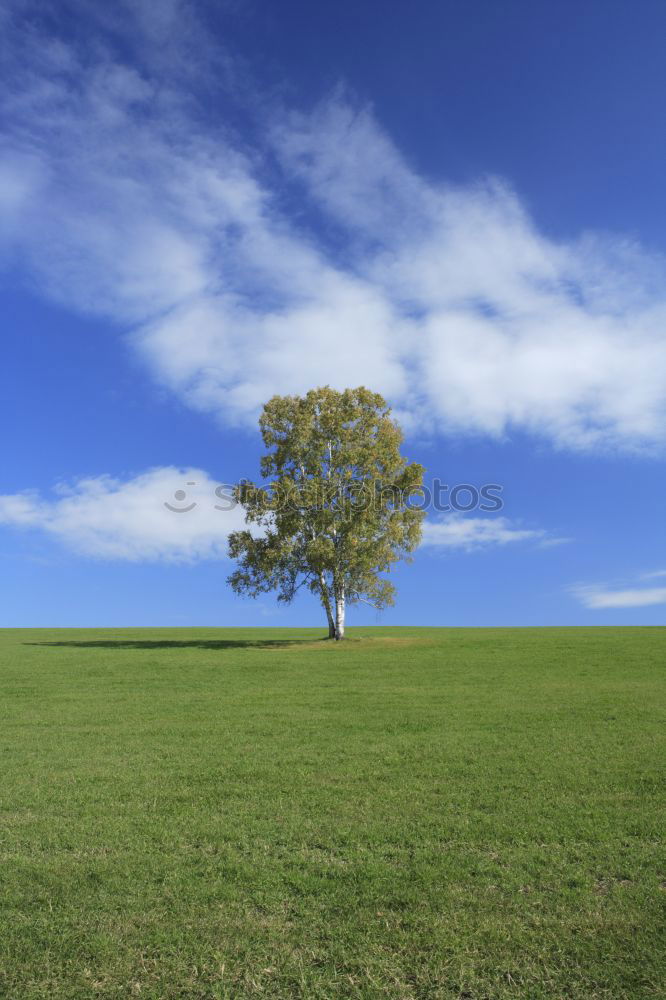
(303, 249)
(470, 533)
(129, 520)
(637, 593)
(630, 597)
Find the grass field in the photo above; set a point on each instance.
(440, 813)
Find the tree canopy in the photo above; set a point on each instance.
(333, 514)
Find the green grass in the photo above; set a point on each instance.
(440, 813)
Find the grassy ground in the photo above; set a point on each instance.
(438, 813)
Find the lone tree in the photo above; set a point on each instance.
(335, 513)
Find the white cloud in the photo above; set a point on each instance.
(121, 198)
(632, 597)
(112, 519)
(469, 533)
(654, 574)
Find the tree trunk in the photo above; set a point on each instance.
(326, 602)
(340, 613)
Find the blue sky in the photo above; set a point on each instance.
(460, 206)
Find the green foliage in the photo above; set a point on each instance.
(334, 513)
(191, 814)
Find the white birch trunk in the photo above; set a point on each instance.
(340, 613)
(326, 601)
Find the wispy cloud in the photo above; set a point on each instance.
(622, 594)
(631, 597)
(123, 196)
(129, 520)
(469, 533)
(655, 574)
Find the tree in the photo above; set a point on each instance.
(335, 513)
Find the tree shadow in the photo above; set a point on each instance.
(180, 643)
